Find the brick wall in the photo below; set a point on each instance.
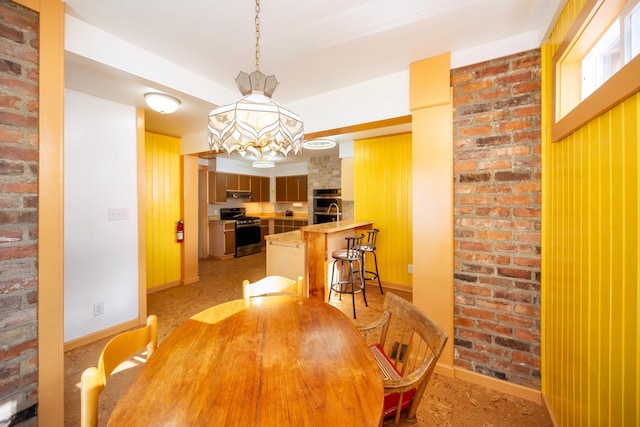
(18, 213)
(322, 172)
(497, 217)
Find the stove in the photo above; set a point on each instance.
(248, 239)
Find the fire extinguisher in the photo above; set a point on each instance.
(180, 231)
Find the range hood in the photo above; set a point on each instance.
(246, 195)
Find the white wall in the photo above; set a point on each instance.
(100, 256)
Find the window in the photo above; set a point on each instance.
(597, 64)
(617, 46)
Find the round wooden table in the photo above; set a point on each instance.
(267, 361)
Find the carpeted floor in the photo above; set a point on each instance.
(448, 402)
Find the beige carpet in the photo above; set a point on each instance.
(448, 402)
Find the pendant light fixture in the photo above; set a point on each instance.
(255, 124)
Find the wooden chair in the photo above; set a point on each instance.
(407, 350)
(116, 351)
(273, 285)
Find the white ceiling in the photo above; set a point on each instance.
(311, 46)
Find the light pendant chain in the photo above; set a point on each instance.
(257, 35)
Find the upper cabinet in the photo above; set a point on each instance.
(291, 188)
(221, 182)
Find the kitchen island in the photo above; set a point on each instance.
(322, 240)
(309, 251)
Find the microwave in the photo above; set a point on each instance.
(327, 205)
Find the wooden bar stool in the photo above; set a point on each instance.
(350, 258)
(370, 247)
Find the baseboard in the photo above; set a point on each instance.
(162, 287)
(190, 281)
(499, 385)
(547, 409)
(392, 286)
(88, 339)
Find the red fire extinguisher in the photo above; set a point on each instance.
(180, 231)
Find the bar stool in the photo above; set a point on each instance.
(370, 247)
(352, 257)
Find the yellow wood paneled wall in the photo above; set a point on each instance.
(382, 186)
(590, 254)
(164, 186)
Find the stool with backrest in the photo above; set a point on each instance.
(350, 259)
(370, 247)
(116, 351)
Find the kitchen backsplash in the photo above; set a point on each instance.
(265, 207)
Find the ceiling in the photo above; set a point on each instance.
(311, 46)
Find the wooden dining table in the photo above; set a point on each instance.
(266, 361)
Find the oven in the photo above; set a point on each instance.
(248, 237)
(327, 205)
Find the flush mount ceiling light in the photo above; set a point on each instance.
(323, 143)
(255, 124)
(161, 102)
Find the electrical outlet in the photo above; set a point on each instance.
(98, 309)
(118, 214)
(410, 268)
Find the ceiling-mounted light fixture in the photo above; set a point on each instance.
(323, 143)
(255, 124)
(161, 102)
(263, 163)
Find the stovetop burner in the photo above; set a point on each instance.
(239, 215)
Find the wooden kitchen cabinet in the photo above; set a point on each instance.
(222, 239)
(217, 187)
(264, 230)
(244, 183)
(291, 188)
(259, 188)
(232, 182)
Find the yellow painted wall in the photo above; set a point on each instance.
(590, 257)
(164, 192)
(382, 188)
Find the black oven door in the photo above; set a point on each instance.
(247, 240)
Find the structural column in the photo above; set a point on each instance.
(432, 156)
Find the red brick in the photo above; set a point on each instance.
(493, 259)
(514, 78)
(494, 212)
(475, 86)
(493, 70)
(503, 365)
(514, 272)
(477, 313)
(493, 327)
(494, 235)
(495, 164)
(464, 322)
(456, 79)
(493, 188)
(496, 351)
(475, 200)
(527, 262)
(513, 200)
(526, 212)
(527, 335)
(465, 333)
(473, 355)
(511, 151)
(528, 237)
(528, 187)
(515, 225)
(493, 304)
(526, 359)
(462, 100)
(464, 167)
(514, 320)
(527, 111)
(474, 290)
(476, 222)
(475, 246)
(496, 281)
(17, 252)
(526, 309)
(526, 87)
(516, 296)
(493, 116)
(475, 131)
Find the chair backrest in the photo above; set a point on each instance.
(353, 246)
(273, 285)
(370, 244)
(116, 351)
(411, 339)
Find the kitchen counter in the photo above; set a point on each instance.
(336, 226)
(293, 237)
(277, 215)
